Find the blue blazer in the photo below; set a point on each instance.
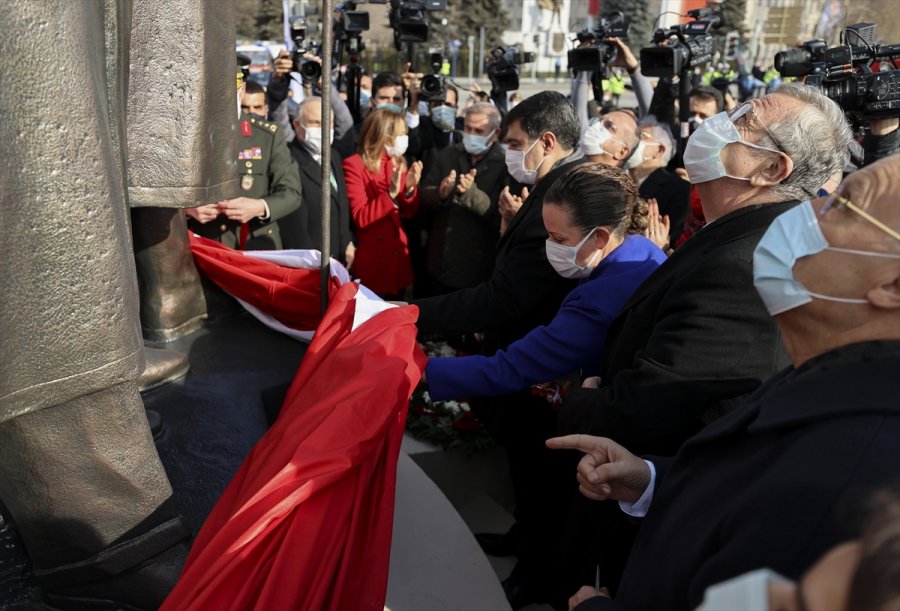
(572, 341)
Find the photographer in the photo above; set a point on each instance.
(882, 139)
(624, 58)
(462, 187)
(282, 113)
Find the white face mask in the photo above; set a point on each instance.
(313, 139)
(594, 139)
(791, 236)
(563, 258)
(702, 155)
(748, 592)
(515, 163)
(401, 143)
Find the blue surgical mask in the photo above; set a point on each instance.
(702, 155)
(364, 96)
(392, 107)
(444, 117)
(791, 236)
(475, 144)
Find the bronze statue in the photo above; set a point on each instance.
(84, 138)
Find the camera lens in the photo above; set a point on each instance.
(793, 62)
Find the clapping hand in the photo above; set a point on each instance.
(509, 204)
(466, 181)
(657, 230)
(413, 176)
(446, 186)
(396, 175)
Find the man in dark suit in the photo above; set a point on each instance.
(695, 340)
(774, 483)
(523, 292)
(303, 227)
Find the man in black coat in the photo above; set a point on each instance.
(303, 227)
(461, 190)
(776, 482)
(695, 340)
(522, 293)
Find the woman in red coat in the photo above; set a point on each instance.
(380, 190)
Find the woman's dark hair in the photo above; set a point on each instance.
(598, 195)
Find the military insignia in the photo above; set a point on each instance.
(246, 130)
(256, 152)
(246, 182)
(272, 127)
(247, 154)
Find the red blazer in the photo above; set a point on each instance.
(382, 256)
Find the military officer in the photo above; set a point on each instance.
(269, 180)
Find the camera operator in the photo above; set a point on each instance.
(282, 110)
(882, 140)
(582, 83)
(462, 188)
(441, 128)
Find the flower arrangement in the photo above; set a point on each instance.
(450, 424)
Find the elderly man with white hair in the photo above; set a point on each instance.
(648, 167)
(695, 340)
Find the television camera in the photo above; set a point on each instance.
(502, 67)
(595, 53)
(682, 47)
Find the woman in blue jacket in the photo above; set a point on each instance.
(593, 215)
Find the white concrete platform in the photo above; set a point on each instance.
(442, 498)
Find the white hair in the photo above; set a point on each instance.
(816, 139)
(486, 109)
(662, 134)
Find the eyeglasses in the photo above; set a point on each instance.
(742, 110)
(836, 201)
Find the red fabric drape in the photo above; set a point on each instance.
(290, 295)
(306, 522)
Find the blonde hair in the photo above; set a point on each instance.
(380, 127)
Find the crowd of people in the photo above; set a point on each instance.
(729, 311)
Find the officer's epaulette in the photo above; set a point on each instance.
(266, 125)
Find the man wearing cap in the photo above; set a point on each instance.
(269, 180)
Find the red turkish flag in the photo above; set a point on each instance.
(306, 522)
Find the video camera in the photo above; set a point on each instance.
(597, 56)
(848, 74)
(502, 67)
(311, 71)
(433, 87)
(689, 45)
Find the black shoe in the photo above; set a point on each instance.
(509, 543)
(519, 593)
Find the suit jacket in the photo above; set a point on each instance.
(524, 291)
(382, 257)
(673, 196)
(303, 227)
(267, 171)
(691, 344)
(464, 228)
(775, 484)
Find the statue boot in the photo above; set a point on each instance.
(95, 509)
(172, 301)
(162, 366)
